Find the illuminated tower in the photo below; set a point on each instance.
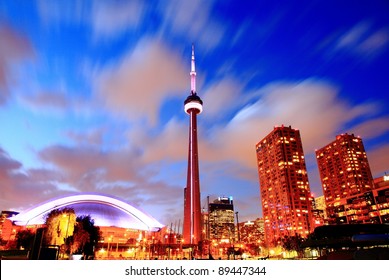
(284, 186)
(192, 211)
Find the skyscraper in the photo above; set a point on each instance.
(345, 175)
(193, 105)
(284, 187)
(221, 220)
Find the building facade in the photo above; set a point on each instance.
(346, 180)
(379, 210)
(222, 220)
(284, 186)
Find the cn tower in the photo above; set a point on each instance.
(193, 105)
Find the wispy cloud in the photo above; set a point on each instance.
(136, 86)
(14, 49)
(109, 19)
(378, 159)
(304, 105)
(24, 187)
(363, 40)
(193, 20)
(372, 128)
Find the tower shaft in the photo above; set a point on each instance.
(192, 211)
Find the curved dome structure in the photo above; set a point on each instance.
(104, 210)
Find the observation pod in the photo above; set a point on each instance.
(193, 102)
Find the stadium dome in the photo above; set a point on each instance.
(104, 210)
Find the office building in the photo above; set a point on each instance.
(221, 220)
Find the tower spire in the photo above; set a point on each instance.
(193, 73)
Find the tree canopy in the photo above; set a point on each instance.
(75, 235)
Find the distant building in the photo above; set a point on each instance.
(319, 211)
(379, 210)
(221, 220)
(346, 178)
(252, 232)
(284, 187)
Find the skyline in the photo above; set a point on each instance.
(92, 94)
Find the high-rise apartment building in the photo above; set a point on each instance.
(346, 178)
(284, 187)
(221, 220)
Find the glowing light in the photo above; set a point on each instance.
(193, 105)
(135, 218)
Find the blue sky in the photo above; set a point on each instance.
(92, 92)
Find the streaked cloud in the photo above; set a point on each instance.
(109, 19)
(221, 97)
(363, 39)
(193, 20)
(371, 128)
(125, 87)
(378, 160)
(14, 49)
(119, 90)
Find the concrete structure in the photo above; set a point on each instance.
(193, 105)
(346, 177)
(284, 186)
(105, 210)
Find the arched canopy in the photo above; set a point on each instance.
(104, 210)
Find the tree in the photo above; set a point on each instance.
(60, 225)
(25, 239)
(85, 236)
(293, 243)
(76, 235)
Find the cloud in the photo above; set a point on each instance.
(106, 19)
(170, 144)
(136, 86)
(88, 164)
(14, 48)
(361, 39)
(305, 105)
(120, 173)
(371, 128)
(221, 97)
(70, 12)
(193, 20)
(378, 160)
(109, 19)
(76, 171)
(24, 187)
(92, 137)
(57, 103)
(44, 100)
